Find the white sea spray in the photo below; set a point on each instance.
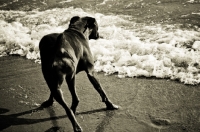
(125, 47)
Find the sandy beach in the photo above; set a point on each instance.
(146, 104)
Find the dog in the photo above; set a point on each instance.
(63, 55)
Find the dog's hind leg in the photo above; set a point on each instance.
(58, 96)
(47, 73)
(48, 102)
(97, 86)
(71, 85)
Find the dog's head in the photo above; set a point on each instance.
(86, 23)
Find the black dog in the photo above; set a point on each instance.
(63, 56)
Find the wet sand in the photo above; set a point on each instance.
(146, 104)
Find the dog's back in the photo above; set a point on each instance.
(68, 52)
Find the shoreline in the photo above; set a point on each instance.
(146, 105)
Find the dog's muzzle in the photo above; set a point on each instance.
(94, 34)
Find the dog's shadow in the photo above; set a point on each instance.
(14, 119)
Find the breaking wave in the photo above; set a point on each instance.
(126, 48)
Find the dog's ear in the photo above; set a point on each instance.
(74, 19)
(91, 22)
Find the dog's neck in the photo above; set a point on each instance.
(87, 33)
(80, 26)
(83, 30)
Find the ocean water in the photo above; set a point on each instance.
(126, 47)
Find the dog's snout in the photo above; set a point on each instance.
(94, 35)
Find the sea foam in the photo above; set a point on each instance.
(125, 47)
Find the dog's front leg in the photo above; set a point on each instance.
(97, 86)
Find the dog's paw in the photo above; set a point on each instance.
(111, 106)
(47, 103)
(78, 129)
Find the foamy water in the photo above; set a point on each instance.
(126, 48)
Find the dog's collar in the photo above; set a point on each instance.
(78, 31)
(73, 28)
(85, 30)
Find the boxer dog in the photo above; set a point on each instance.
(65, 54)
